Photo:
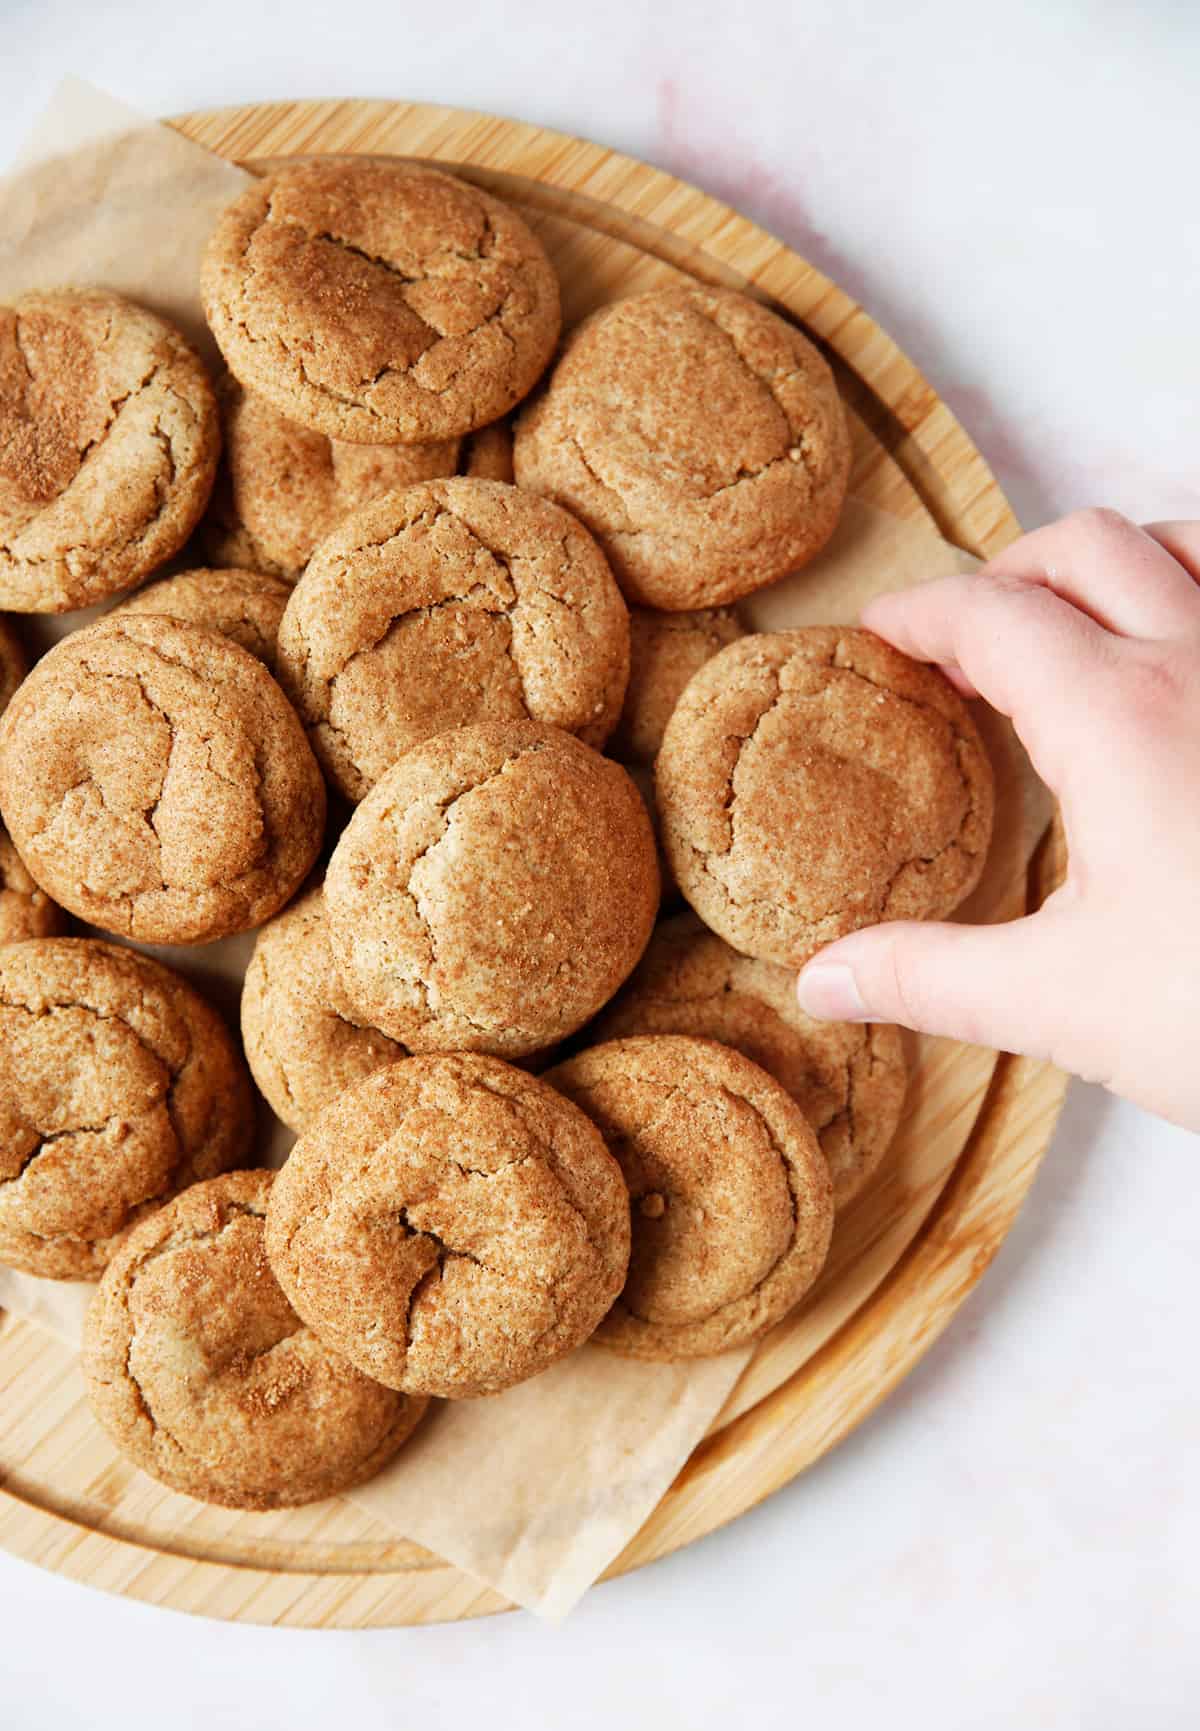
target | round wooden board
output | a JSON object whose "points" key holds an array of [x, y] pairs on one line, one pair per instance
{"points": [[976, 1127]]}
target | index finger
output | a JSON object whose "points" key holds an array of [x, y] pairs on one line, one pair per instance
{"points": [[1027, 652]]}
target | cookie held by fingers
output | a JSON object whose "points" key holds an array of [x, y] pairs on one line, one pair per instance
{"points": [[732, 1206], [204, 1376], [378, 302], [451, 1225], [847, 1078], [811, 782], [109, 440]]}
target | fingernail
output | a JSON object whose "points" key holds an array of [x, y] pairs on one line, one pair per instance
{"points": [[829, 991]]}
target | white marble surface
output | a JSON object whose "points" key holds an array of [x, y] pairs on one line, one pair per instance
{"points": [[1012, 1540]]}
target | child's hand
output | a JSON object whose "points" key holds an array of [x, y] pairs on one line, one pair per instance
{"points": [[1087, 634]]}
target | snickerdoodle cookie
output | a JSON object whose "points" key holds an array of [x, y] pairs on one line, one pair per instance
{"points": [[282, 488], [157, 782], [811, 782], [202, 1373], [379, 302], [118, 1087], [108, 446], [243, 605], [731, 1200], [699, 436], [847, 1078], [451, 1225], [304, 1042], [26, 911], [492, 891], [447, 603], [665, 649]]}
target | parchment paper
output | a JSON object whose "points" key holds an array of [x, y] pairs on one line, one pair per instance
{"points": [[534, 1491]]}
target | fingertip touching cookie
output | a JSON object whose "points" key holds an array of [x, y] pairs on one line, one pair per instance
{"points": [[699, 436], [492, 891], [812, 782], [379, 302], [731, 1202], [452, 1225], [203, 1375], [156, 781], [282, 488], [109, 439], [848, 1078], [447, 603], [119, 1085]]}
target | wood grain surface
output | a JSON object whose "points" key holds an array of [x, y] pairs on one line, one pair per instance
{"points": [[976, 1125]]}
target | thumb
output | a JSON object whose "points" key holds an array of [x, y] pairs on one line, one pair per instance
{"points": [[988, 985]]}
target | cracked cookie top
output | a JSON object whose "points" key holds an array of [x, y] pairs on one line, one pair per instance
{"points": [[119, 1086], [701, 439], [848, 1078], [281, 488], [451, 1225], [665, 649], [202, 1373], [304, 1041], [245, 606], [811, 782], [492, 891], [379, 302], [730, 1196], [447, 603], [109, 439], [156, 781]]}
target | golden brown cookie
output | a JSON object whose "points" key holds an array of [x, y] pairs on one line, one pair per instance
{"points": [[379, 302], [25, 910], [157, 782], [492, 891], [699, 437], [452, 1225], [243, 605], [202, 1373], [848, 1078], [118, 1087], [304, 1042], [108, 446], [665, 649], [282, 488], [731, 1201], [812, 782], [451, 602]]}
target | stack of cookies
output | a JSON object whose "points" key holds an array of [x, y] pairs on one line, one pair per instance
{"points": [[446, 707]]}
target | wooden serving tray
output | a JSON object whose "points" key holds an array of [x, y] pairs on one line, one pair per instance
{"points": [[976, 1124]]}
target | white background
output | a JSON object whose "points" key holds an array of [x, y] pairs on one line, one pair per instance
{"points": [[1012, 1541]]}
